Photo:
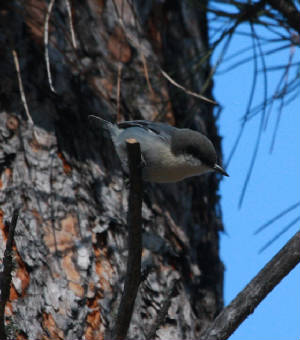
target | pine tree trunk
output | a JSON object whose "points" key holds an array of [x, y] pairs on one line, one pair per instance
{"points": [[71, 238]]}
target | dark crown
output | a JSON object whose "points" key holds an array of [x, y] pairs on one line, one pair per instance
{"points": [[186, 141]]}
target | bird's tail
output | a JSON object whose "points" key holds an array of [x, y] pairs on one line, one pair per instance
{"points": [[108, 126]]}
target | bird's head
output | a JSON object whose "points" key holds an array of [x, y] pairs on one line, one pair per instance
{"points": [[197, 149]]}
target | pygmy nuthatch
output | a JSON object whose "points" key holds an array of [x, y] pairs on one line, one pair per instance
{"points": [[169, 154]]}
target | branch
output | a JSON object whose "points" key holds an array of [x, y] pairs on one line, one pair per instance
{"points": [[247, 300], [21, 88], [6, 274], [288, 11], [46, 41], [134, 222], [69, 10]]}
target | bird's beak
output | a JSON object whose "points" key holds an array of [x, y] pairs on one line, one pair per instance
{"points": [[219, 169]]}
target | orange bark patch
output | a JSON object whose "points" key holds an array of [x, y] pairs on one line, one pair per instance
{"points": [[72, 275], [103, 268], [93, 324], [63, 239], [91, 334], [3, 227], [94, 319], [66, 166], [118, 46], [51, 327], [8, 174], [95, 329], [77, 289], [69, 224], [13, 294], [69, 268], [8, 309]]}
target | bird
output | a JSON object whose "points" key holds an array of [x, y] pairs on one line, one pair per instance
{"points": [[169, 154]]}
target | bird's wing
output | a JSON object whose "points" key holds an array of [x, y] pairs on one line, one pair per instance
{"points": [[161, 130]]}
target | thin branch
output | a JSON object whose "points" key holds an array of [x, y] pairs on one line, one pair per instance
{"points": [[247, 13], [69, 10], [293, 86], [5, 278], [276, 237], [280, 67], [262, 119], [294, 96], [247, 59], [147, 75], [120, 68], [274, 97], [249, 298], [134, 221], [197, 95], [288, 11], [277, 217], [284, 91], [251, 96], [219, 60], [21, 88], [46, 43]]}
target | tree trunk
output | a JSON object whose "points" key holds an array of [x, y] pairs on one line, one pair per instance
{"points": [[71, 237]]}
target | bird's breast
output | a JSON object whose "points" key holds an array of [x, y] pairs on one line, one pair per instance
{"points": [[168, 170]]}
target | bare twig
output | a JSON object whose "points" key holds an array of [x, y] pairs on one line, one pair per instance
{"points": [[249, 104], [69, 10], [5, 278], [219, 60], [289, 11], [257, 47], [23, 97], [277, 236], [120, 68], [197, 95], [134, 221], [277, 217], [247, 300], [147, 75], [282, 100], [46, 43], [21, 88], [250, 58]]}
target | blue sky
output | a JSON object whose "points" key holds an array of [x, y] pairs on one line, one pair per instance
{"points": [[273, 187]]}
